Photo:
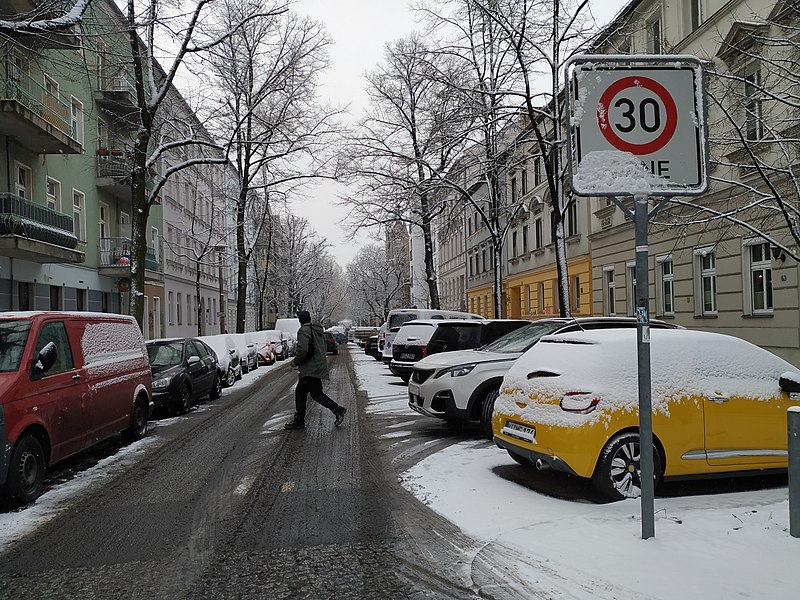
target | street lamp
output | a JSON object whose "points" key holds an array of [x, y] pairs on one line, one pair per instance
{"points": [[222, 308]]}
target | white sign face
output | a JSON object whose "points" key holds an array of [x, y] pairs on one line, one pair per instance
{"points": [[637, 129]]}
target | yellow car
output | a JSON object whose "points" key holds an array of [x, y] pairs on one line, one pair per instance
{"points": [[719, 405]]}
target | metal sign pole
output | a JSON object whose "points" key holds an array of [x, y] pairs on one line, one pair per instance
{"points": [[641, 218]]}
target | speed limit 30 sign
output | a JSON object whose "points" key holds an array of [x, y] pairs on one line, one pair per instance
{"points": [[629, 113]]}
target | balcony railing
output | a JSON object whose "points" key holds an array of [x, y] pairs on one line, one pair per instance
{"points": [[116, 252], [23, 218], [18, 85], [115, 78]]}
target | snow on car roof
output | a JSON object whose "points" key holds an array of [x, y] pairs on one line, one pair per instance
{"points": [[684, 363]]}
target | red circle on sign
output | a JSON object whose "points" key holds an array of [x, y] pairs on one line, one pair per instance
{"points": [[663, 95]]}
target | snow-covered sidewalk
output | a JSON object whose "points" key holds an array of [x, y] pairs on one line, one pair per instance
{"points": [[722, 546]]}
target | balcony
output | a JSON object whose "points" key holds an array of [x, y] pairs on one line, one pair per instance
{"points": [[114, 173], [38, 119], [115, 258], [33, 232], [116, 91]]}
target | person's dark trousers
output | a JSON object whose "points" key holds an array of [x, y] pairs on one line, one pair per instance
{"points": [[313, 386]]}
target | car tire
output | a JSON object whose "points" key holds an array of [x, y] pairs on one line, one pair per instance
{"points": [[184, 399], [230, 377], [617, 475], [520, 460], [216, 390], [25, 471], [138, 428], [487, 409]]}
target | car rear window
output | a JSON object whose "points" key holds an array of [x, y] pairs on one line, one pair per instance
{"points": [[455, 337], [396, 321], [523, 338], [415, 333]]}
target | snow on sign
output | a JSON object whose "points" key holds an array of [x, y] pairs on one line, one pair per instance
{"points": [[637, 126]]}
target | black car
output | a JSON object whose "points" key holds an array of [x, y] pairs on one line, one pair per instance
{"points": [[330, 344], [372, 349], [184, 371]]}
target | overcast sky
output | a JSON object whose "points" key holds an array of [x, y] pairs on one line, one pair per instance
{"points": [[360, 30]]}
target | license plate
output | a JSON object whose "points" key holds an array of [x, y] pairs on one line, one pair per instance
{"points": [[407, 356], [520, 431]]}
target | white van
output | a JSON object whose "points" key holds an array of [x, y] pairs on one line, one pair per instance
{"points": [[398, 316]]}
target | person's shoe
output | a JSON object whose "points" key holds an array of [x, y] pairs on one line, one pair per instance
{"points": [[339, 416], [294, 425]]}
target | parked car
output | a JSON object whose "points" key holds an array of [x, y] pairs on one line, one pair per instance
{"points": [[280, 345], [184, 371], [417, 339], [398, 316], [360, 334], [463, 385], [265, 352], [67, 381], [228, 360], [331, 346], [247, 352], [719, 406], [371, 347]]}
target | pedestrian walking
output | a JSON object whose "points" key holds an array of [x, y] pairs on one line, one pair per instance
{"points": [[313, 368]]}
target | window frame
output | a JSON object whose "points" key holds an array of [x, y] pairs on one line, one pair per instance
{"points": [[609, 291], [750, 267], [662, 280], [79, 214], [703, 274]]}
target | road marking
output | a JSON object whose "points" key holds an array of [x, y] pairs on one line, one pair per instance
{"points": [[244, 485], [288, 486]]}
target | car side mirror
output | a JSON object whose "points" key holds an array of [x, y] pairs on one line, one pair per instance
{"points": [[44, 360], [193, 360], [790, 382]]}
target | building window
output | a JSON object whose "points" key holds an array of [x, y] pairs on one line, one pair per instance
{"points": [[76, 116], [537, 172], [483, 256], [609, 289], [79, 215], [654, 45], [705, 281], [665, 285], [55, 297], [576, 293], [171, 307], [514, 244], [178, 306], [539, 241], [542, 305], [631, 268], [523, 177], [529, 299], [22, 185], [759, 286], [525, 239], [753, 122], [189, 312], [53, 194], [694, 14], [513, 191], [572, 218]]}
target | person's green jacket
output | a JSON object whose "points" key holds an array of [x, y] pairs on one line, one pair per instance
{"points": [[310, 357]]}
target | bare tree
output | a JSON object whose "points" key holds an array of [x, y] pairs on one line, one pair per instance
{"points": [[328, 297], [45, 18], [375, 279], [150, 24], [406, 142], [278, 133]]}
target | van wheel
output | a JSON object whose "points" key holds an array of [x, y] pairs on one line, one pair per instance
{"points": [[230, 377], [487, 408], [138, 428], [216, 391], [184, 399], [618, 474], [25, 471]]}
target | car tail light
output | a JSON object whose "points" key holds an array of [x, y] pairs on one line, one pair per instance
{"points": [[579, 402], [424, 350]]}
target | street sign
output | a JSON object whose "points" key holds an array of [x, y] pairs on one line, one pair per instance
{"points": [[637, 126]]}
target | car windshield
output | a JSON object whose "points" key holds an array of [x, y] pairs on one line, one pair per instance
{"points": [[13, 337], [521, 339], [165, 355]]}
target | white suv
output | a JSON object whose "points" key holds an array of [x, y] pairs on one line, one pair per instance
{"points": [[463, 385]]}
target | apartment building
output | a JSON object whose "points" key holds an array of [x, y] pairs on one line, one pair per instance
{"points": [[709, 274]]}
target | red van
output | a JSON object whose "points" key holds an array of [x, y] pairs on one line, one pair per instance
{"points": [[67, 381]]}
